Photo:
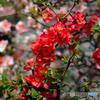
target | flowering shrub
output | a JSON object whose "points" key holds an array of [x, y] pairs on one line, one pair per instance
{"points": [[68, 33]]}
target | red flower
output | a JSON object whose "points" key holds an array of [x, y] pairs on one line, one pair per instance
{"points": [[21, 96], [95, 18], [47, 16], [42, 69], [96, 56], [76, 21], [60, 15], [36, 80], [64, 36], [79, 18], [24, 92], [29, 63], [87, 28], [46, 94]]}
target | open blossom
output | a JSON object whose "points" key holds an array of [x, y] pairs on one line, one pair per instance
{"points": [[3, 44], [5, 26], [8, 60], [47, 15], [96, 56], [31, 22], [21, 26], [35, 80], [95, 18], [87, 28], [29, 64]]}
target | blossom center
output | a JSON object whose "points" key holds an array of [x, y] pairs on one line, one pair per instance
{"points": [[37, 79], [95, 17], [46, 15]]}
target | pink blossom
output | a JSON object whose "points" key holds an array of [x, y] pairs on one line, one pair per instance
{"points": [[5, 26], [21, 26], [3, 44], [8, 60], [31, 22]]}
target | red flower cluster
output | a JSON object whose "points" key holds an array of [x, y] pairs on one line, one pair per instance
{"points": [[44, 48], [87, 28], [76, 21]]}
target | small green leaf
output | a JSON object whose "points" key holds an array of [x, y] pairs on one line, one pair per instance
{"points": [[45, 81], [95, 27], [65, 61], [93, 33], [84, 80], [20, 89], [61, 16], [77, 56], [43, 72], [53, 79], [48, 72], [29, 92], [53, 71], [34, 93], [10, 88], [77, 48], [4, 79], [44, 3], [71, 43]]}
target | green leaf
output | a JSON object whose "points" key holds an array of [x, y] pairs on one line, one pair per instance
{"points": [[10, 88], [44, 3], [48, 4], [71, 43], [48, 72], [20, 89], [4, 79], [93, 33], [43, 72], [98, 22], [77, 48], [62, 15], [53, 71], [29, 92], [34, 93], [19, 80], [45, 81], [95, 27], [5, 85], [65, 61], [84, 87], [84, 80], [53, 79], [77, 43], [77, 56]]}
